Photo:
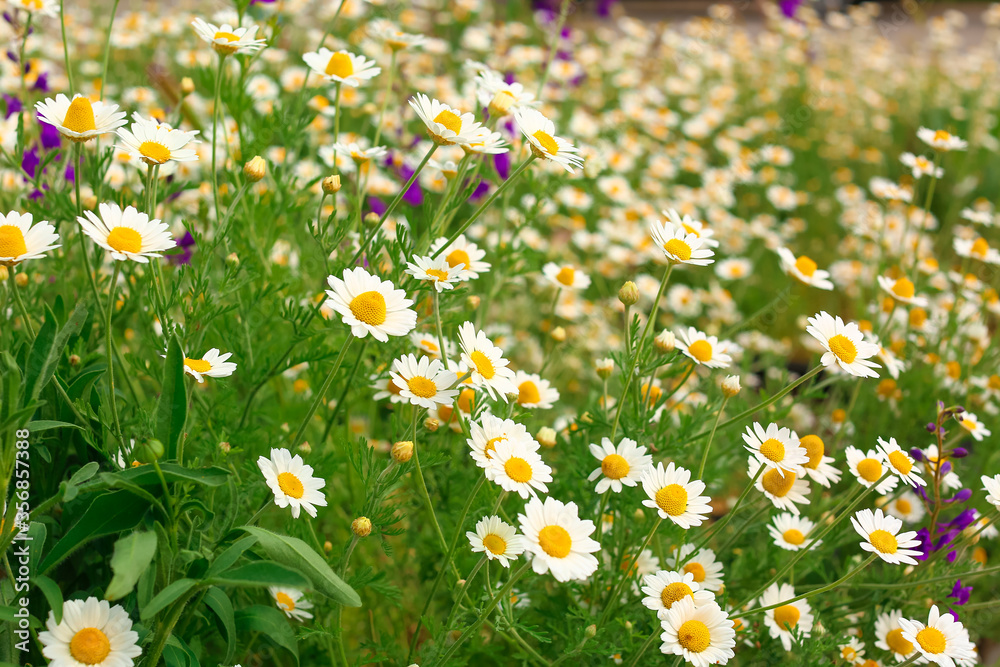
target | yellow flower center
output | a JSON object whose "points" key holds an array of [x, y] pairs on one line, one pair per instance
{"points": [[491, 445], [884, 541], [848, 654], [483, 364], [555, 541], [968, 424], [794, 536], [154, 152], [429, 345], [979, 248], [518, 469], [897, 643], [775, 484], [903, 288], [903, 506], [842, 346], [339, 65], [546, 142], [437, 274], [917, 317], [679, 249], [870, 470], [932, 640], [694, 636], [458, 258], [527, 393], [290, 485], [787, 616], [90, 646], [815, 449], [696, 570], [566, 275], [80, 116], [701, 350], [369, 307], [125, 239], [12, 241], [773, 450], [672, 593], [228, 36], [285, 600], [901, 462], [449, 120], [422, 387], [941, 135], [197, 365], [495, 544], [614, 466], [805, 266], [672, 499]]}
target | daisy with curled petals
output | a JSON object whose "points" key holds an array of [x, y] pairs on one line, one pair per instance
{"points": [[784, 489], [437, 271], [491, 430], [674, 496], [621, 465], [941, 140], [791, 532], [702, 349], [804, 270], [943, 640], [370, 305], [534, 392], [679, 246], [703, 566], [900, 462], [902, 290], [702, 634], [517, 467], [541, 135], [787, 620], [889, 635], [292, 601], [424, 382], [991, 485], [227, 40], [92, 633], [664, 588], [559, 539], [128, 234], [156, 143], [212, 364], [776, 448], [845, 345], [869, 467], [341, 66], [20, 240], [970, 422], [485, 363], [80, 119], [566, 276], [882, 537], [463, 255], [292, 482], [446, 126], [819, 467], [497, 540]]}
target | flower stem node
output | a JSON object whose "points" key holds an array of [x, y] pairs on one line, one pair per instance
{"points": [[629, 294], [255, 169], [402, 451], [331, 184], [362, 526]]}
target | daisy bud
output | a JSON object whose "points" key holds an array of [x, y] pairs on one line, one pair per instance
{"points": [[255, 169], [232, 259], [21, 279], [331, 184], [362, 526], [152, 450], [665, 341], [431, 424], [605, 367], [558, 334], [500, 104], [546, 437], [225, 447], [590, 631], [328, 546], [372, 219], [3, 273], [629, 294], [731, 385], [187, 85], [472, 302], [74, 360], [628, 625], [305, 448], [402, 451]]}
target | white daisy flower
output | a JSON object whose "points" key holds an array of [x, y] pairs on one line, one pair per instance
{"points": [[485, 362], [941, 140], [498, 540], [868, 467], [341, 66], [991, 485], [882, 537], [776, 448], [678, 245], [491, 430], [943, 640], [370, 305], [978, 249], [541, 135], [702, 349], [91, 633], [900, 462], [424, 381], [621, 465], [852, 651], [227, 40], [784, 489], [500, 97], [212, 364], [487, 143], [674, 496], [291, 601], [156, 143], [559, 539], [127, 234], [789, 620], [566, 276], [387, 32], [804, 270], [889, 635], [664, 588], [80, 119], [819, 468], [517, 467], [437, 271], [920, 166], [463, 255], [845, 345], [703, 566], [902, 290], [358, 154], [702, 634], [429, 344], [791, 532], [691, 226], [37, 7], [446, 125], [534, 392], [292, 482], [970, 422], [20, 240], [906, 506]]}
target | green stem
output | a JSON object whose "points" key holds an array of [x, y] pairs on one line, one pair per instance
{"points": [[423, 489], [336, 111], [461, 593], [385, 98], [215, 124], [300, 433], [166, 627], [714, 530], [613, 600], [553, 43], [12, 281], [69, 70], [933, 580], [645, 647], [110, 344], [711, 437]]}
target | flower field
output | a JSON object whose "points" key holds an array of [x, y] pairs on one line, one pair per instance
{"points": [[498, 333]]}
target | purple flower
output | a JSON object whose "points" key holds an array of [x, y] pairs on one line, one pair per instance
{"points": [[42, 83], [13, 105], [502, 163], [377, 205], [30, 162], [960, 593], [959, 453], [925, 547], [916, 452], [49, 136], [481, 189], [961, 497]]}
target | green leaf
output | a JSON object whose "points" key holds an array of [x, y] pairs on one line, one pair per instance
{"points": [[171, 410], [165, 597], [271, 623], [82, 383], [48, 424], [53, 595], [108, 513], [218, 602], [7, 615], [132, 555], [260, 574], [146, 475], [229, 557], [48, 348], [84, 473], [299, 556]]}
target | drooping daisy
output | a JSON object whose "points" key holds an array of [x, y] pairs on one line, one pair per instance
{"points": [[517, 467], [784, 489], [868, 467], [900, 462], [341, 66], [680, 246], [534, 391], [559, 539], [804, 269], [438, 272], [446, 125], [702, 634], [424, 382], [941, 140], [845, 345], [791, 532], [621, 465], [127, 234], [20, 240], [664, 588], [906, 506], [498, 540], [794, 617], [776, 448], [292, 482], [541, 135], [212, 364], [80, 119], [889, 635], [674, 496], [486, 363], [370, 305], [291, 601], [882, 537], [702, 349], [566, 276], [970, 422], [819, 468], [902, 290], [991, 485], [707, 571], [943, 640], [227, 40], [491, 430], [463, 255], [92, 633]]}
